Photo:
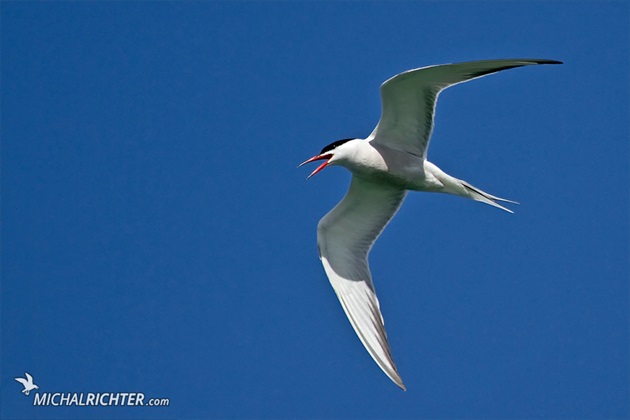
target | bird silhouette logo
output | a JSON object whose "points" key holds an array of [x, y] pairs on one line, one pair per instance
{"points": [[27, 383]]}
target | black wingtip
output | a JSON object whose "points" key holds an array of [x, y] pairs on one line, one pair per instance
{"points": [[514, 63], [549, 62]]}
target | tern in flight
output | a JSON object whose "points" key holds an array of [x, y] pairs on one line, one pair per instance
{"points": [[392, 160]]}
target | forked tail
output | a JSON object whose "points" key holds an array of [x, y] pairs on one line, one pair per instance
{"points": [[478, 195]]}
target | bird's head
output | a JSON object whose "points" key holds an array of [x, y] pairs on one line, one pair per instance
{"points": [[335, 152]]}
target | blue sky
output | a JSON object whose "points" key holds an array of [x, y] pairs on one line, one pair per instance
{"points": [[158, 238]]}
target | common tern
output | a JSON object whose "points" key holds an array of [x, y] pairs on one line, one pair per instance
{"points": [[384, 166]]}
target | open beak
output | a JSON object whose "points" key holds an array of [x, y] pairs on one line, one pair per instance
{"points": [[313, 159]]}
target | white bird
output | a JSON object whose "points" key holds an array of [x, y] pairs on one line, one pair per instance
{"points": [[27, 383], [390, 161]]}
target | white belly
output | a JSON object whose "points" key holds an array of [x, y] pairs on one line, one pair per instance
{"points": [[383, 164]]}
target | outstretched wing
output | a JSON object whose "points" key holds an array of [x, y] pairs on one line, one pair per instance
{"points": [[344, 237], [22, 381], [29, 377], [408, 100]]}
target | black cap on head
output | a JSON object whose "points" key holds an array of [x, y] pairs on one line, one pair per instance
{"points": [[333, 145]]}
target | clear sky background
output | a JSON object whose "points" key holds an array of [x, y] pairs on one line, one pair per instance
{"points": [[158, 238]]}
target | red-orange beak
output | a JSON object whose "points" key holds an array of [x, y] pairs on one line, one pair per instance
{"points": [[313, 159]]}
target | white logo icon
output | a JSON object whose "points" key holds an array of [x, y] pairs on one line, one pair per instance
{"points": [[28, 383]]}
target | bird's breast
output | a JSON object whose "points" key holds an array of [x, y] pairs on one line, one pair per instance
{"points": [[391, 166]]}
